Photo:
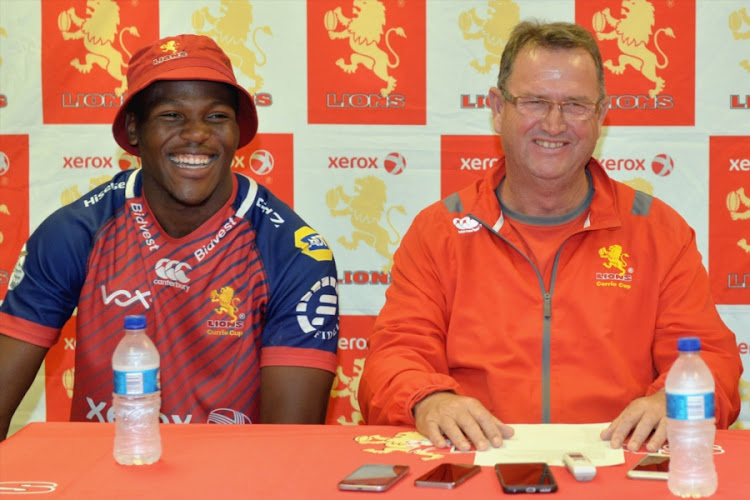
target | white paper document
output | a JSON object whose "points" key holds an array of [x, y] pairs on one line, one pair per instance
{"points": [[548, 443]]}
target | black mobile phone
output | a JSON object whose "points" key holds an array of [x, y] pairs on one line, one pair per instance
{"points": [[651, 466], [530, 477], [373, 477], [447, 475]]}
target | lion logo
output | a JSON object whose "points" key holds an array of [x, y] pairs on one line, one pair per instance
{"points": [[738, 205], [404, 442], [737, 19], [494, 31], [98, 32], [615, 258], [345, 386], [632, 33], [170, 46], [745, 398], [4, 210], [3, 34], [364, 33], [365, 209], [227, 301], [231, 30]]}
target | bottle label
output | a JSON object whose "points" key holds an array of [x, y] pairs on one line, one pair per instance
{"points": [[690, 406], [136, 383]]}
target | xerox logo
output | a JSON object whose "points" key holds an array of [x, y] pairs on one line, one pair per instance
{"points": [[124, 298], [4, 163], [478, 163], [393, 163], [662, 164], [88, 162], [739, 164], [172, 273], [261, 162], [227, 416], [738, 280], [316, 310], [466, 224]]}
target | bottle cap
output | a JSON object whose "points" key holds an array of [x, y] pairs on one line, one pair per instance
{"points": [[135, 322], [689, 344]]}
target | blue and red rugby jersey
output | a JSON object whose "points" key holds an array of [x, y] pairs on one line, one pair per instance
{"points": [[253, 286]]}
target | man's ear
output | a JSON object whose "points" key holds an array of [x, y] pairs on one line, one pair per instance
{"points": [[496, 103], [131, 126]]}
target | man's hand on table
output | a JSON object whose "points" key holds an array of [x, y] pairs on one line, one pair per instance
{"points": [[463, 420], [643, 416]]}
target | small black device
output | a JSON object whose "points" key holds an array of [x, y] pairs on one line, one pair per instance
{"points": [[651, 466], [447, 475], [530, 477], [373, 477]]}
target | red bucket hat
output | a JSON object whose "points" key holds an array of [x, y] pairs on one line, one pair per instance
{"points": [[183, 57]]}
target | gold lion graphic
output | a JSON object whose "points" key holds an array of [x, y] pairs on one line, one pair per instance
{"points": [[231, 30], [632, 33], [737, 19], [365, 209], [364, 32], [227, 302], [738, 205], [494, 31], [3, 34], [4, 210], [745, 398], [615, 258], [349, 389], [98, 32], [404, 442]]}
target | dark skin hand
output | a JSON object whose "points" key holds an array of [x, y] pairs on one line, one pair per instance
{"points": [[19, 364]]}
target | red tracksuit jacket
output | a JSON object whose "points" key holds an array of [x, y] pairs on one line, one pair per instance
{"points": [[467, 312]]}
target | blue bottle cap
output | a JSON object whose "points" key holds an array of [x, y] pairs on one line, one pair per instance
{"points": [[689, 344], [135, 322]]}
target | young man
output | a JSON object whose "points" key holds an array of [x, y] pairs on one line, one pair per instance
{"points": [[563, 299], [240, 295]]}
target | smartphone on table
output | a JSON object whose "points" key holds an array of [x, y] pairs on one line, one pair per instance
{"points": [[651, 466], [529, 477], [373, 477], [447, 475]]}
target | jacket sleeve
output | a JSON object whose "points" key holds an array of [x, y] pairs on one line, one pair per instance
{"points": [[406, 359], [686, 308]]}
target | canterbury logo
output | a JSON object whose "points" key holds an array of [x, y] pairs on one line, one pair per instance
{"points": [[123, 298], [172, 270], [466, 224]]}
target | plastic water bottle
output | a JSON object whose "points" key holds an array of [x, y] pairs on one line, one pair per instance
{"points": [[691, 426], [136, 398]]}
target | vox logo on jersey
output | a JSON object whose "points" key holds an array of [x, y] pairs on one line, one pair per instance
{"points": [[269, 159], [14, 204], [86, 47], [366, 62], [466, 158], [729, 219], [648, 49]]}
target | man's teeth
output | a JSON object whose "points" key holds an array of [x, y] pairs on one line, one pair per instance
{"points": [[548, 144], [191, 161]]}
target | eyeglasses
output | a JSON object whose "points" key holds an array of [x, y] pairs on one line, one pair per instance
{"points": [[535, 107]]}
